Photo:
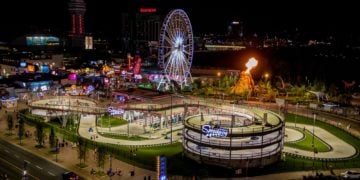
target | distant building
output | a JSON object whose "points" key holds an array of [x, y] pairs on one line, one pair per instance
{"points": [[235, 29], [37, 42], [140, 29], [77, 10]]}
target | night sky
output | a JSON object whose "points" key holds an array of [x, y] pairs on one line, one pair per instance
{"points": [[19, 17]]}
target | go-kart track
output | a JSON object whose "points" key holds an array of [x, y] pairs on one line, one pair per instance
{"points": [[216, 133]]}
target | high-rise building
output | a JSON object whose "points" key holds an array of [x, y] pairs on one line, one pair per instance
{"points": [[140, 27], [77, 10]]}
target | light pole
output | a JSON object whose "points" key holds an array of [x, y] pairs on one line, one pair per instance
{"points": [[313, 144], [313, 129], [266, 76], [296, 108], [110, 171], [171, 98], [109, 119]]}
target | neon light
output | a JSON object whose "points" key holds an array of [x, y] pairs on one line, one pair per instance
{"points": [[147, 10], [214, 132], [73, 24], [80, 25], [113, 111], [161, 168]]}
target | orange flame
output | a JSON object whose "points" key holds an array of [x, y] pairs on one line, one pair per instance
{"points": [[250, 64]]}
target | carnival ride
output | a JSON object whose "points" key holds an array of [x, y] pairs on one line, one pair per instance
{"points": [[176, 49]]}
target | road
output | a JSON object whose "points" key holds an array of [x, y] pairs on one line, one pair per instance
{"points": [[12, 162]]}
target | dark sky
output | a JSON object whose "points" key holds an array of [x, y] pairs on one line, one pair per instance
{"points": [[18, 17]]}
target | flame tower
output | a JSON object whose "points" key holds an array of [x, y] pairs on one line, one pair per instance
{"points": [[77, 10], [245, 84]]}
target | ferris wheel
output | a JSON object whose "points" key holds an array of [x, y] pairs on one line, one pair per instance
{"points": [[176, 49]]}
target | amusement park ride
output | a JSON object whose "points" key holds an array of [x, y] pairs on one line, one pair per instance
{"points": [[176, 49]]}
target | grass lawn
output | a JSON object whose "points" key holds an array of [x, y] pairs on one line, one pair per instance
{"points": [[306, 143], [146, 157], [114, 121], [124, 137]]}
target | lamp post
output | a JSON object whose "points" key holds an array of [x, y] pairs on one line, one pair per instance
{"points": [[313, 144], [266, 76], [171, 98], [110, 171], [57, 149], [296, 110], [313, 129], [109, 120]]}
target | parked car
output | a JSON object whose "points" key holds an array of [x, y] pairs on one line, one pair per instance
{"points": [[350, 175]]}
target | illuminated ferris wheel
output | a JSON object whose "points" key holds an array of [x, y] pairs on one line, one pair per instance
{"points": [[176, 49]]}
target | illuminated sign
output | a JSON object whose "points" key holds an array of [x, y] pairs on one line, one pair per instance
{"points": [[214, 132], [113, 111], [161, 168], [89, 89], [30, 68], [147, 10], [88, 42], [72, 76], [45, 68], [106, 80], [23, 64]]}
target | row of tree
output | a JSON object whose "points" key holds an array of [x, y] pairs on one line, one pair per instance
{"points": [[40, 134]]}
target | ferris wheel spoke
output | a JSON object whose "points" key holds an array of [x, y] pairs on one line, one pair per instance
{"points": [[169, 34], [172, 30], [167, 54], [186, 52], [167, 39], [166, 47]]}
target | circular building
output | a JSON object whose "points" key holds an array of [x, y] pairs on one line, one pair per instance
{"points": [[242, 139]]}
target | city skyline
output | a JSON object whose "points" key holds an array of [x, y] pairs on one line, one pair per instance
{"points": [[258, 17]]}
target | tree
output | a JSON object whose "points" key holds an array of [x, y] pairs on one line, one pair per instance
{"points": [[10, 123], [21, 129], [40, 134], [101, 154], [82, 150], [52, 137]]}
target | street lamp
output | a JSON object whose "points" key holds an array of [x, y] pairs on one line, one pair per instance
{"points": [[219, 75], [296, 110], [313, 144], [109, 122], [313, 129], [266, 76], [171, 101]]}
